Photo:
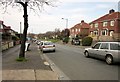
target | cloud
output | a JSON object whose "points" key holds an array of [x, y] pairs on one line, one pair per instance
{"points": [[50, 18], [77, 1]]}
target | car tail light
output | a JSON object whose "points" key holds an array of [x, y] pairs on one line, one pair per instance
{"points": [[53, 45], [43, 46]]}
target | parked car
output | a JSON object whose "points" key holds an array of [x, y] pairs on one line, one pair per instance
{"points": [[47, 46], [40, 45], [75, 41], [38, 42], [108, 51]]}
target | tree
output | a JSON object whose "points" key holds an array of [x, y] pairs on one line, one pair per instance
{"points": [[65, 35], [57, 33], [32, 4]]}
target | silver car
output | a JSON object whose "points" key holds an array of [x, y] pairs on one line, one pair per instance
{"points": [[47, 46], [108, 51]]}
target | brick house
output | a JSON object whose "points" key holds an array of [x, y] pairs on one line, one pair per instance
{"points": [[1, 27], [6, 31], [106, 27], [81, 29]]}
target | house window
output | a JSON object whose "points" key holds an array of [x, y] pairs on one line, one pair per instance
{"points": [[72, 30], [1, 26], [91, 25], [96, 25], [91, 33], [111, 33], [105, 24], [96, 33], [104, 32], [76, 30], [112, 23]]}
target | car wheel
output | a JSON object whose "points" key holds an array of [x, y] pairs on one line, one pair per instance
{"points": [[53, 50], [42, 51], [86, 54], [109, 59]]}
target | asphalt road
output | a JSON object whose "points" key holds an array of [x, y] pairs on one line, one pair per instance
{"points": [[71, 61]]}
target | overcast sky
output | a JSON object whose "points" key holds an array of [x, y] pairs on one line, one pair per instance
{"points": [[51, 17]]}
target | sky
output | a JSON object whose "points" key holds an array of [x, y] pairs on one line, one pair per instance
{"points": [[51, 17]]}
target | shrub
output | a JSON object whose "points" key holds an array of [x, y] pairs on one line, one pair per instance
{"points": [[66, 39], [87, 41], [15, 38]]}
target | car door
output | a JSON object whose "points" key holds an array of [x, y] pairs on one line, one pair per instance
{"points": [[94, 51], [104, 48], [115, 50]]}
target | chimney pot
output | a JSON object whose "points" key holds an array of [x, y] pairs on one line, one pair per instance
{"points": [[111, 11], [82, 21]]}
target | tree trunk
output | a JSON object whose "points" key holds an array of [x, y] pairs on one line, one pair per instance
{"points": [[22, 49]]}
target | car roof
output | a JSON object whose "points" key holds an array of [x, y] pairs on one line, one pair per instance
{"points": [[109, 42], [46, 41]]}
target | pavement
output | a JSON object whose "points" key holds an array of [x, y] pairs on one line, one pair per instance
{"points": [[35, 68]]}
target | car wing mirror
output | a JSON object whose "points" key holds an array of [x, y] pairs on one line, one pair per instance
{"points": [[93, 47]]}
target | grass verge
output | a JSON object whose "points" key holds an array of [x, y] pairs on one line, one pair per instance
{"points": [[53, 40], [22, 59]]}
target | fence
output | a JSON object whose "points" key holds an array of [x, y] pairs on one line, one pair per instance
{"points": [[8, 44]]}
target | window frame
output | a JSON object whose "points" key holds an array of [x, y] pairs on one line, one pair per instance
{"points": [[91, 25], [105, 24], [112, 23], [96, 25]]}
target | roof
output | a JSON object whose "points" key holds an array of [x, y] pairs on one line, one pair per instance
{"points": [[1, 22], [81, 25], [110, 42], [114, 15]]}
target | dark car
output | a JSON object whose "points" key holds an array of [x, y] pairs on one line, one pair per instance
{"points": [[75, 41]]}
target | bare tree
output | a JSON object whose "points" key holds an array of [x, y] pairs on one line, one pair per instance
{"points": [[33, 5], [57, 33]]}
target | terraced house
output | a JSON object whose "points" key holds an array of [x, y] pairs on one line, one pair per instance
{"points": [[106, 27], [6, 31], [1, 27]]}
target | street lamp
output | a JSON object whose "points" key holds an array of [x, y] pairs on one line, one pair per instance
{"points": [[66, 22]]}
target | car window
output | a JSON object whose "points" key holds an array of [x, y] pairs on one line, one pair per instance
{"points": [[97, 46], [114, 46], [48, 43], [104, 46], [41, 43]]}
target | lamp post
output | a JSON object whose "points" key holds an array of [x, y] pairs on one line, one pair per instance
{"points": [[66, 22], [66, 32]]}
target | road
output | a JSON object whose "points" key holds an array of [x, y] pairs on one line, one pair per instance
{"points": [[71, 61]]}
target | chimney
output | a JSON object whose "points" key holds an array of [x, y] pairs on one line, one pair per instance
{"points": [[111, 11], [82, 21]]}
